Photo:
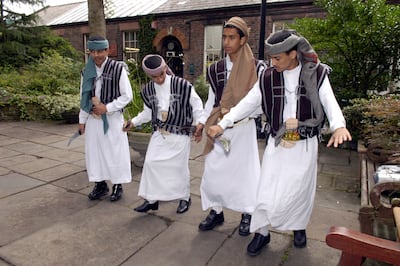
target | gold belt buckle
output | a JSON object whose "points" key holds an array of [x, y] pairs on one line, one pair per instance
{"points": [[291, 136]]}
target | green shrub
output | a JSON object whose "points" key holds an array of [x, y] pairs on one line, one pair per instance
{"points": [[44, 89], [375, 120], [201, 88]]}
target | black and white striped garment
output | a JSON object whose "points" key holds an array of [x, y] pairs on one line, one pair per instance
{"points": [[110, 81], [180, 114]]}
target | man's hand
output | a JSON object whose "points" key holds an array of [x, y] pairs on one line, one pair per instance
{"points": [[198, 134], [215, 131], [127, 125], [338, 137], [292, 123], [99, 109], [81, 128]]}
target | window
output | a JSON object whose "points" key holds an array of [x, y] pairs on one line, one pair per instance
{"points": [[85, 49], [131, 45], [280, 25], [212, 45]]}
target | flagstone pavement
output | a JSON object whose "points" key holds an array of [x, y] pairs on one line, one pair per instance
{"points": [[47, 219]]}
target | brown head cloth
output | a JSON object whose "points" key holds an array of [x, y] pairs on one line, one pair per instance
{"points": [[242, 78], [243, 74]]}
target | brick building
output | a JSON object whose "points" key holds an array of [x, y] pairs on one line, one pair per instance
{"points": [[188, 31]]}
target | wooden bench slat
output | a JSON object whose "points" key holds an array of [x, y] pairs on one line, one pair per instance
{"points": [[355, 245]]}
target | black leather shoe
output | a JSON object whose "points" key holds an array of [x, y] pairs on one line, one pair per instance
{"points": [[146, 206], [100, 189], [300, 238], [116, 192], [244, 227], [213, 219], [259, 241], [184, 205]]}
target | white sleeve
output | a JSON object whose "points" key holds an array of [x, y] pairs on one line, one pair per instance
{"points": [[125, 90], [209, 103], [244, 108], [142, 117], [331, 106], [197, 107]]}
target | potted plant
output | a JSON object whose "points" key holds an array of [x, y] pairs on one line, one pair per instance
{"points": [[139, 136]]}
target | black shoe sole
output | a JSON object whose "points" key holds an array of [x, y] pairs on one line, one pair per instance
{"points": [[115, 198], [302, 245], [253, 254], [98, 197], [241, 233], [211, 227]]}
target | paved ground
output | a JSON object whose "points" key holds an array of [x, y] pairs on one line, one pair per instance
{"points": [[47, 219]]}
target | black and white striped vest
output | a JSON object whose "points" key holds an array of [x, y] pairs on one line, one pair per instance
{"points": [[273, 96], [217, 77], [110, 81], [180, 114]]}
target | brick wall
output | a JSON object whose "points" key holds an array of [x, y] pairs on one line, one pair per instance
{"points": [[188, 27]]}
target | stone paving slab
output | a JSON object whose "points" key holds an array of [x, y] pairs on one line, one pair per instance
{"points": [[33, 166], [29, 211], [105, 234], [180, 244], [17, 160], [5, 140], [316, 253], [47, 219], [66, 156], [233, 252], [4, 153], [58, 171], [12, 183]]}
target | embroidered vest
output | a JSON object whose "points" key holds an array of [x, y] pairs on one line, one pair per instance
{"points": [[110, 83], [180, 114], [217, 77], [273, 96]]}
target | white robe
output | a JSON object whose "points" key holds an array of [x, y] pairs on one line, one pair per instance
{"points": [[230, 180], [165, 174], [287, 186], [107, 155]]}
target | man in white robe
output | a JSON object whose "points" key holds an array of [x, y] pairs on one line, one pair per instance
{"points": [[230, 178], [105, 91], [173, 107], [295, 112]]}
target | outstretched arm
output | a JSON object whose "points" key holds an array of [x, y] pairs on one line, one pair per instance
{"points": [[339, 136]]}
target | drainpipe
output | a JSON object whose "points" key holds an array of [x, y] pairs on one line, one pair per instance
{"points": [[262, 29]]}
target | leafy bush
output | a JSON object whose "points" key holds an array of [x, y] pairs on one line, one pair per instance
{"points": [[50, 83], [376, 120], [201, 87], [138, 78]]}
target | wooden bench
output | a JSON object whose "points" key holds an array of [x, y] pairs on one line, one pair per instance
{"points": [[357, 246], [375, 208]]}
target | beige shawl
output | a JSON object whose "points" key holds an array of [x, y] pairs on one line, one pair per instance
{"points": [[242, 78]]}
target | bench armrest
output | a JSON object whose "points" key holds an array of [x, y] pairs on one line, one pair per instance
{"points": [[356, 245]]}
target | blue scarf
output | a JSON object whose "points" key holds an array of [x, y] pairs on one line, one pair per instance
{"points": [[88, 78]]}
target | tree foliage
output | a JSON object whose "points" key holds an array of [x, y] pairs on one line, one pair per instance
{"points": [[359, 39], [21, 42]]}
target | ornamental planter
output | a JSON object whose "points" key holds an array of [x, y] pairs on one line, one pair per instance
{"points": [[139, 141]]}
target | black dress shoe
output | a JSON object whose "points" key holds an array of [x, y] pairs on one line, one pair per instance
{"points": [[300, 238], [259, 241], [213, 219], [184, 205], [100, 189], [244, 227], [116, 192], [146, 206]]}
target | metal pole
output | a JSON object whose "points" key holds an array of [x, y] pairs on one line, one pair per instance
{"points": [[262, 29]]}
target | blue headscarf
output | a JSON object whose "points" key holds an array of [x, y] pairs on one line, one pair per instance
{"points": [[89, 75]]}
